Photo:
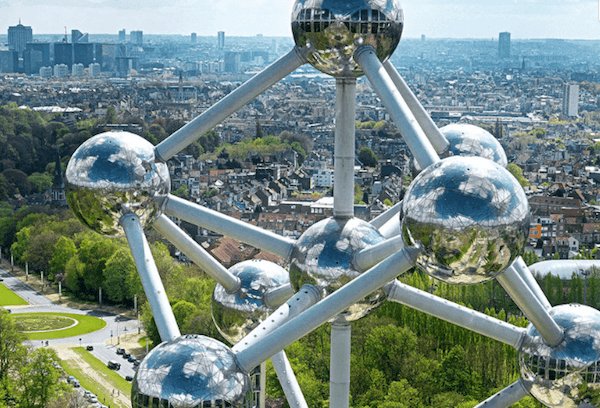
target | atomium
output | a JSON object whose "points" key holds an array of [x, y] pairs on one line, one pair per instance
{"points": [[237, 314], [471, 140], [191, 371], [470, 216], [113, 174], [330, 31], [324, 254], [567, 375]]}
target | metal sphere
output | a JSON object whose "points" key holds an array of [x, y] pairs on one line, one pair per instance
{"points": [[323, 257], [471, 140], [113, 174], [330, 31], [237, 314], [191, 371], [563, 376], [470, 216]]}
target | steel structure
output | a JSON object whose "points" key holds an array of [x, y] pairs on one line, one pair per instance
{"points": [[464, 220]]}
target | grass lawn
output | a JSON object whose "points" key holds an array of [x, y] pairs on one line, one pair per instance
{"points": [[109, 375], [28, 322], [87, 382], [10, 298]]}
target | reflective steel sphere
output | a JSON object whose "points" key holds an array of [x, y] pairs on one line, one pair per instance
{"points": [[470, 140], [191, 371], [470, 216], [330, 31], [323, 257], [237, 314], [564, 376], [112, 174]]}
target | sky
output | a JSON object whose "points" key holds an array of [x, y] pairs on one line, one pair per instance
{"points": [[569, 19]]}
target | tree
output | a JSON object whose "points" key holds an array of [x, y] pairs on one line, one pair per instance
{"points": [[39, 379], [517, 172], [402, 392], [64, 250], [184, 311], [12, 352], [117, 275], [367, 157]]}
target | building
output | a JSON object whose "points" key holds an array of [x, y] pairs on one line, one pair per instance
{"points": [[79, 37], [221, 39], [95, 69], [137, 37], [83, 53], [63, 54], [194, 38], [61, 71], [504, 45], [18, 37], [36, 56], [233, 61], [78, 70], [571, 101], [46, 72], [9, 61], [122, 36]]}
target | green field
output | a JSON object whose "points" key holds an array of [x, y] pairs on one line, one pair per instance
{"points": [[28, 322], [10, 298], [89, 383], [109, 375]]}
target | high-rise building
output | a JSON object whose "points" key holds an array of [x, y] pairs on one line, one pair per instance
{"points": [[79, 37], [221, 39], [504, 45], [194, 38], [9, 61], [63, 54], [94, 70], [122, 36], [36, 56], [137, 37], [233, 62], [83, 53], [18, 37], [571, 101]]}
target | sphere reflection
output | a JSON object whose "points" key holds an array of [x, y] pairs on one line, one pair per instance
{"points": [[323, 257], [566, 376], [470, 140], [471, 217], [330, 31], [191, 371], [237, 314], [113, 174]]}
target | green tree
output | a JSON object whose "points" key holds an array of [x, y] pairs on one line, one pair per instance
{"points": [[517, 172], [39, 379], [64, 250], [118, 275], [40, 182], [402, 392], [367, 157], [12, 353]]}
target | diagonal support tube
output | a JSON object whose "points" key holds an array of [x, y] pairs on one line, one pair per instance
{"points": [[288, 381], [327, 308], [345, 129], [222, 224], [153, 286], [197, 254], [230, 104], [437, 139], [391, 228], [386, 216], [455, 314], [529, 279], [371, 256], [413, 135], [531, 306], [506, 397]]}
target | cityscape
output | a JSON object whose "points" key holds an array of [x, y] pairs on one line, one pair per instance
{"points": [[272, 165]]}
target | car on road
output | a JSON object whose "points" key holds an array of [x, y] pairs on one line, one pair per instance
{"points": [[120, 351], [70, 379], [131, 359], [126, 355], [75, 383], [89, 348], [113, 365], [128, 378]]}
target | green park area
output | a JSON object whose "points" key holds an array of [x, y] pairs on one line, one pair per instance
{"points": [[47, 326], [109, 375], [10, 298]]}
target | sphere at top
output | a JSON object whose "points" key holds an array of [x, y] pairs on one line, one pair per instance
{"points": [[470, 216], [237, 314], [113, 174], [471, 140], [564, 376], [330, 31], [323, 257], [191, 371]]}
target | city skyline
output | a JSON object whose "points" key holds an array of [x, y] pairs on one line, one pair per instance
{"points": [[569, 19]]}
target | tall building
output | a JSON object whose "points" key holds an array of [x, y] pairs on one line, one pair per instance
{"points": [[504, 45], [137, 37], [233, 62], [122, 36], [194, 38], [83, 53], [9, 61], [221, 39], [63, 54], [36, 56], [571, 101], [18, 37]]}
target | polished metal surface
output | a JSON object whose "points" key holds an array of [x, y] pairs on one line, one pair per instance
{"points": [[471, 140], [191, 371], [323, 257], [330, 31], [237, 314], [113, 174], [564, 376], [469, 215]]}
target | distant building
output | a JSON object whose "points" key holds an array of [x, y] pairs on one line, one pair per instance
{"points": [[571, 101], [95, 69], [61, 71], [18, 37], [137, 37], [221, 39], [9, 61], [233, 62], [194, 38], [46, 72], [122, 36], [63, 54], [504, 45], [79, 37], [36, 56], [83, 53], [58, 184], [78, 70]]}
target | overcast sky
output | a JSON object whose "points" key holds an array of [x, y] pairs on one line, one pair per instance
{"points": [[434, 18]]}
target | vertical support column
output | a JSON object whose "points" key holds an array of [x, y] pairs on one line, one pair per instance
{"points": [[262, 398], [345, 145], [339, 370]]}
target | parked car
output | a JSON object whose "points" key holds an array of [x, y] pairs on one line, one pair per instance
{"points": [[131, 359], [75, 384], [113, 365], [126, 355], [70, 379], [128, 378], [89, 348], [120, 351]]}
